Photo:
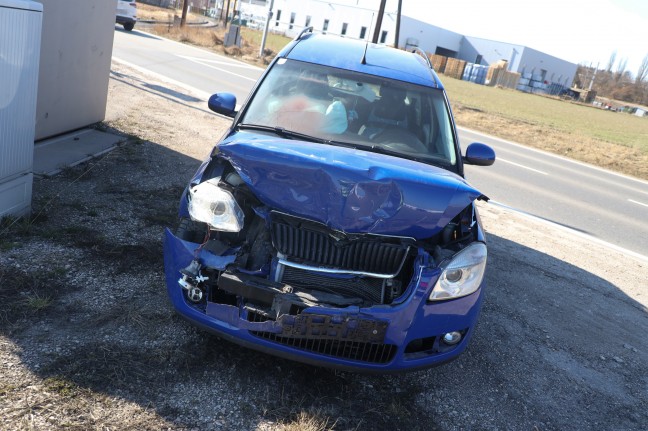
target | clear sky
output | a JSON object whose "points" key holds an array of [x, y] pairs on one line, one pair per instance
{"points": [[580, 31]]}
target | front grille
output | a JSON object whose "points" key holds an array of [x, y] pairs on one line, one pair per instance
{"points": [[317, 246], [368, 288], [375, 353]]}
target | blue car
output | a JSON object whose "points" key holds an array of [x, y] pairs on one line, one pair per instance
{"points": [[332, 224]]}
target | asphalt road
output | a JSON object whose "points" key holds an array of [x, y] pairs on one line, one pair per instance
{"points": [[598, 203]]}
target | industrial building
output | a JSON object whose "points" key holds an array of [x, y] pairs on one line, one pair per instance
{"points": [[357, 19], [538, 66]]}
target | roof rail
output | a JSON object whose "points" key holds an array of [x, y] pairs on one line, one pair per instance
{"points": [[305, 30], [422, 53]]}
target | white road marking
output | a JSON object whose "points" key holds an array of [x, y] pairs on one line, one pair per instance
{"points": [[204, 63], [499, 159], [637, 202], [221, 62]]}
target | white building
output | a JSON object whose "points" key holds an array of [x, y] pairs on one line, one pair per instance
{"points": [[349, 18]]}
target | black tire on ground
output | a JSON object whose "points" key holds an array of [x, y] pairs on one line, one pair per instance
{"points": [[129, 26], [190, 230]]}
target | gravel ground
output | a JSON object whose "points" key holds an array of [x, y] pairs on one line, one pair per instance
{"points": [[88, 339]]}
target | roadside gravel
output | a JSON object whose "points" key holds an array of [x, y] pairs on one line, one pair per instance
{"points": [[88, 339]]}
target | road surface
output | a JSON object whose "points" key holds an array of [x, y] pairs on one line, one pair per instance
{"points": [[598, 203]]}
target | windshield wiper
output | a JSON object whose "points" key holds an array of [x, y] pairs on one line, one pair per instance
{"points": [[284, 133], [382, 150]]}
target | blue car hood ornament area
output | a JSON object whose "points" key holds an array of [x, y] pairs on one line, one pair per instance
{"points": [[349, 189]]}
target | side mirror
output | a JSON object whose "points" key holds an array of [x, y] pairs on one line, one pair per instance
{"points": [[223, 103], [479, 155]]}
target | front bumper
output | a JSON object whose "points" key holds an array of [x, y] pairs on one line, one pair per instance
{"points": [[382, 338], [125, 20]]}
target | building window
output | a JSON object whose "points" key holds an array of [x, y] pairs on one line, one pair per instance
{"points": [[383, 36], [292, 20], [363, 32], [325, 26], [344, 28], [278, 17], [478, 59], [308, 20]]}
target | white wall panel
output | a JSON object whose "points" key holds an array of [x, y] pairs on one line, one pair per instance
{"points": [[75, 64], [19, 56], [20, 34]]}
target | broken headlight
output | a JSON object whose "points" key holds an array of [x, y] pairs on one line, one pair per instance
{"points": [[217, 207], [463, 275]]}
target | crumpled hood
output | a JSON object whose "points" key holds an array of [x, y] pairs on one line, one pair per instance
{"points": [[347, 189]]}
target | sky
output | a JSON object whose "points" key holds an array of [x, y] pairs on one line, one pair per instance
{"points": [[579, 31]]}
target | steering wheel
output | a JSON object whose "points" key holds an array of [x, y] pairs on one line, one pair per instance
{"points": [[400, 140]]}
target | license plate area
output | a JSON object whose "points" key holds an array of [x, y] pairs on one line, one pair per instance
{"points": [[327, 327]]}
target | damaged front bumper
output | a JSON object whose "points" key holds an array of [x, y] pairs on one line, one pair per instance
{"points": [[405, 335]]}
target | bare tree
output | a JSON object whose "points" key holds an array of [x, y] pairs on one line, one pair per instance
{"points": [[611, 61], [621, 69], [642, 72]]}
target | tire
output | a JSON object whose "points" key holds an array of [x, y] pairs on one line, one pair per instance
{"points": [[189, 230], [129, 26]]}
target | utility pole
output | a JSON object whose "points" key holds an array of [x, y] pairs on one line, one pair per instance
{"points": [[381, 12], [593, 76], [398, 20], [265, 30], [226, 14], [185, 6]]}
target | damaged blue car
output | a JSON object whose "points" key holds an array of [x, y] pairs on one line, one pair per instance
{"points": [[331, 224]]}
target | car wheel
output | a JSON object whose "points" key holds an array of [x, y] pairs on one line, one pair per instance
{"points": [[189, 230], [129, 26]]}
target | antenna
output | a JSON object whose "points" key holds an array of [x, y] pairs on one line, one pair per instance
{"points": [[304, 31], [422, 53], [364, 54]]}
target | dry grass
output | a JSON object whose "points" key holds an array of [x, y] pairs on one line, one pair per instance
{"points": [[614, 141], [155, 13], [212, 39], [305, 421]]}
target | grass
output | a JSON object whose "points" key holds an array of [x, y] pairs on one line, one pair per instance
{"points": [[155, 13], [585, 120], [274, 42]]}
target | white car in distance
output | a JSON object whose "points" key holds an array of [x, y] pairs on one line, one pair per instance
{"points": [[126, 14]]}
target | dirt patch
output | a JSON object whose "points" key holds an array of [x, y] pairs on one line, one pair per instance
{"points": [[560, 343]]}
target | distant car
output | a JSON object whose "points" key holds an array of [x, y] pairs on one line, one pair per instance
{"points": [[332, 224], [126, 14]]}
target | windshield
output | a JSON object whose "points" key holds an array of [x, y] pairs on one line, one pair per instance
{"points": [[368, 111]]}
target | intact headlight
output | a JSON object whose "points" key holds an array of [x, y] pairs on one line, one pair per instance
{"points": [[217, 207], [463, 275]]}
